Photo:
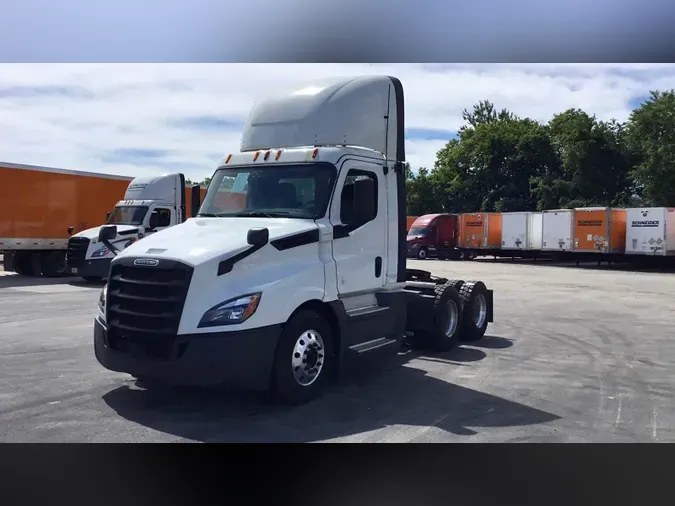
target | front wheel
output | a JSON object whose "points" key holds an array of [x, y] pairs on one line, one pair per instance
{"points": [[422, 254], [304, 358]]}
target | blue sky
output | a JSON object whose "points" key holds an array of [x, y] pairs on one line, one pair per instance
{"points": [[136, 119]]}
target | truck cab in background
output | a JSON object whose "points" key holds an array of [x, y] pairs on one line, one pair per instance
{"points": [[150, 204], [433, 235]]}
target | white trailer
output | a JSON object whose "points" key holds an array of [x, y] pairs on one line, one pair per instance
{"points": [[557, 230], [307, 273], [535, 230], [514, 231], [650, 231]]}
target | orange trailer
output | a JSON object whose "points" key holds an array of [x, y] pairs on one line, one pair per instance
{"points": [[410, 221], [599, 230], [38, 204], [480, 231]]}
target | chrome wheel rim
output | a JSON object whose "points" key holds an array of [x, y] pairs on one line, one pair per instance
{"points": [[307, 360], [422, 254], [480, 311], [452, 318]]}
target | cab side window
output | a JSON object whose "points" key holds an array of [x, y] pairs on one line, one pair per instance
{"points": [[163, 217], [347, 197]]}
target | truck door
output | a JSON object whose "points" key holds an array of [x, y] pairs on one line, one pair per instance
{"points": [[359, 249]]}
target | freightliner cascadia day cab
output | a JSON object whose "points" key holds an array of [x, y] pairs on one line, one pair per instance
{"points": [[281, 284], [150, 204]]}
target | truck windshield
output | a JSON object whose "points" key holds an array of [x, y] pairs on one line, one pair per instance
{"points": [[284, 191], [127, 215], [419, 231]]}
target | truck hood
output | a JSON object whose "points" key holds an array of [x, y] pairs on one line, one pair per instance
{"points": [[199, 240], [92, 233]]}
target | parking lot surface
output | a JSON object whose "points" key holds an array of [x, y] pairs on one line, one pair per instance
{"points": [[575, 355]]}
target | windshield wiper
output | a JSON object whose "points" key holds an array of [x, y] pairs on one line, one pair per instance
{"points": [[260, 214]]}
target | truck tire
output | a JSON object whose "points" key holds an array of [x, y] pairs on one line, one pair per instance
{"points": [[474, 310], [53, 264], [456, 284], [23, 264], [422, 254], [470, 255], [447, 319], [461, 254], [303, 360]]}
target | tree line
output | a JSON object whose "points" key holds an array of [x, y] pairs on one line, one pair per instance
{"points": [[502, 162]]}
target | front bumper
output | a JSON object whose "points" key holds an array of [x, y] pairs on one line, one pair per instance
{"points": [[241, 358], [98, 268], [413, 249]]}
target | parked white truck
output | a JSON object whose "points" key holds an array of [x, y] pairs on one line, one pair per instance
{"points": [[150, 204], [282, 288]]}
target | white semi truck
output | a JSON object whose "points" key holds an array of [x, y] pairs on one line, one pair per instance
{"points": [[282, 288], [150, 204]]}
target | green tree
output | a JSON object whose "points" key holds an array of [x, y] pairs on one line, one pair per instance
{"points": [[494, 164], [594, 166], [651, 139]]}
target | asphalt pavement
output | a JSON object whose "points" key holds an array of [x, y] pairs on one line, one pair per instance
{"points": [[575, 355]]}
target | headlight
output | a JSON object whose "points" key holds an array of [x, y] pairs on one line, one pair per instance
{"points": [[231, 311], [102, 299]]}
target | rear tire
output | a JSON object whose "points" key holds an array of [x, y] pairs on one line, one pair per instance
{"points": [[23, 264], [304, 359], [461, 255], [470, 255], [447, 319], [474, 313], [54, 264]]}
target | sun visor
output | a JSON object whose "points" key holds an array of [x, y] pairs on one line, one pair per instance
{"points": [[359, 111]]}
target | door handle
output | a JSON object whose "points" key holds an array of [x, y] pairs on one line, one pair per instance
{"points": [[378, 267]]}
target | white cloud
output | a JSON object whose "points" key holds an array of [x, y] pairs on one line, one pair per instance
{"points": [[107, 107]]}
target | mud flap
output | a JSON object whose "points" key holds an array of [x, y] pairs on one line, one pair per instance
{"points": [[490, 306]]}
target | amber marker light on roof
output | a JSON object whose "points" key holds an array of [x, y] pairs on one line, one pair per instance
{"points": [[267, 155], [227, 160], [276, 157], [315, 152], [256, 155]]}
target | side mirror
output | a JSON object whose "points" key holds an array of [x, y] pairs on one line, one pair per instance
{"points": [[71, 230], [258, 237], [107, 233], [364, 201], [195, 197]]}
